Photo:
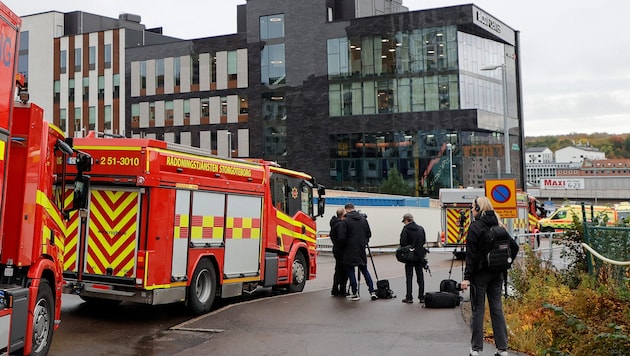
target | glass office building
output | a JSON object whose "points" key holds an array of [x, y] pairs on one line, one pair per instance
{"points": [[342, 94]]}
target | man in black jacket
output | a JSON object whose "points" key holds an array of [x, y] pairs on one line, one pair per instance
{"points": [[354, 234], [340, 278], [413, 234]]}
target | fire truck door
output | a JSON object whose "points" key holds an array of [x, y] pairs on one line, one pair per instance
{"points": [[111, 246], [243, 236], [202, 227]]}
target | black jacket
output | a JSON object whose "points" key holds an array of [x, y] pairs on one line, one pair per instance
{"points": [[476, 243], [334, 236], [354, 235], [413, 234]]}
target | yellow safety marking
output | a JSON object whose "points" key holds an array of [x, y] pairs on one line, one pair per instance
{"points": [[109, 148], [115, 196], [55, 128], [287, 218], [111, 249], [283, 231], [48, 206], [238, 280], [164, 286], [183, 223], [2, 147], [290, 172], [45, 236]]}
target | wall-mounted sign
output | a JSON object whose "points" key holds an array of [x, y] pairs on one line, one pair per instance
{"points": [[561, 183]]}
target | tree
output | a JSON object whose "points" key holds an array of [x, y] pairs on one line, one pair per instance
{"points": [[395, 184]]}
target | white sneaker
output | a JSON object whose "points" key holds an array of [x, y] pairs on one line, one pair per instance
{"points": [[474, 352], [501, 353], [373, 295], [353, 297]]}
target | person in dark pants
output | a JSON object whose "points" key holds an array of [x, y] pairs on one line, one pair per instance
{"points": [[413, 234], [354, 234], [482, 282], [340, 277]]}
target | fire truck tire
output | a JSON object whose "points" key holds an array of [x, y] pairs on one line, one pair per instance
{"points": [[43, 318], [298, 274], [202, 289]]}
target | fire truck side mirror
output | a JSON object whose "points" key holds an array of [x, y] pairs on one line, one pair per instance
{"points": [[321, 201], [81, 192]]}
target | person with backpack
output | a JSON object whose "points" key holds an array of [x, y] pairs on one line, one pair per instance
{"points": [[482, 281], [413, 235]]}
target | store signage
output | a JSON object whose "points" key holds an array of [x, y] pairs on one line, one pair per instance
{"points": [[560, 183], [493, 25]]}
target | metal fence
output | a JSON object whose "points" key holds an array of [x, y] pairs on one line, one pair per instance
{"points": [[608, 253]]}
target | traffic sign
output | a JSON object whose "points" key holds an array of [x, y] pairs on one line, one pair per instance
{"points": [[502, 195]]}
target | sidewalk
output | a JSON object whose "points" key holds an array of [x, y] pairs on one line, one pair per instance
{"points": [[315, 323]]}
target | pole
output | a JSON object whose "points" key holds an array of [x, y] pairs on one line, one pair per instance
{"points": [[506, 128], [449, 146]]}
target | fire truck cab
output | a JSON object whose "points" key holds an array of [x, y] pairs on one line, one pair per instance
{"points": [[456, 215], [169, 223]]}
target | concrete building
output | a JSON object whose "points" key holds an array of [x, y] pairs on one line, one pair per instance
{"points": [[538, 155], [344, 90], [74, 64], [578, 154]]}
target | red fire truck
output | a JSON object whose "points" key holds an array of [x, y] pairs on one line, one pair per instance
{"points": [[169, 223], [33, 159]]}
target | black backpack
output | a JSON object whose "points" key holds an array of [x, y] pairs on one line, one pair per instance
{"points": [[502, 249]]}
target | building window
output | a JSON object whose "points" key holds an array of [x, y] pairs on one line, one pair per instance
{"points": [[135, 115], [243, 105], [92, 58], [78, 125], [151, 114], [107, 115], [57, 95], [71, 90], [108, 56], [116, 82], [231, 66], [92, 118], [159, 72], [101, 87], [205, 108], [272, 26], [272, 65], [224, 106], [62, 120], [177, 71], [194, 71], [187, 109], [77, 59], [169, 111], [143, 75], [86, 89], [62, 61]]}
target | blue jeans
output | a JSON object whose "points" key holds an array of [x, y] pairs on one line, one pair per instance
{"points": [[353, 278], [490, 284]]}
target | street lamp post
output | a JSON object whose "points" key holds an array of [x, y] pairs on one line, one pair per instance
{"points": [[506, 128], [449, 147]]}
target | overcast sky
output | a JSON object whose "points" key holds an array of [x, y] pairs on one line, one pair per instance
{"points": [[575, 55]]}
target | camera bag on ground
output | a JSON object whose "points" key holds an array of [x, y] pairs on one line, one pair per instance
{"points": [[382, 286], [450, 285], [502, 250], [406, 254], [441, 300]]}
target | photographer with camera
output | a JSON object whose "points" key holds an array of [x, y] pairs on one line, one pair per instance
{"points": [[413, 235]]}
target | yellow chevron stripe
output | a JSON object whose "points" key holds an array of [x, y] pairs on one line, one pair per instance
{"points": [[3, 145], [50, 209], [283, 231], [130, 198]]}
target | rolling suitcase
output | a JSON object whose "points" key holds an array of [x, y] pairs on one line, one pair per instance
{"points": [[441, 300]]}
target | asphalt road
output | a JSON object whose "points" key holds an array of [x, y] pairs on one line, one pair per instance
{"points": [[270, 323]]}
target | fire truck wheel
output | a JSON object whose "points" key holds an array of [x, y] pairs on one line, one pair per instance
{"points": [[202, 288], [43, 317], [299, 274]]}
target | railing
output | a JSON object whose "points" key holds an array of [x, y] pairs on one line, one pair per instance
{"points": [[608, 250], [545, 247]]}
